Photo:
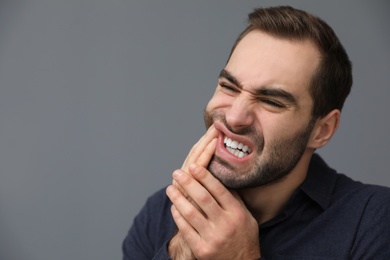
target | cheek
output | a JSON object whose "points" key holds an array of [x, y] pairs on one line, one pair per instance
{"points": [[209, 111], [273, 126], [285, 128]]}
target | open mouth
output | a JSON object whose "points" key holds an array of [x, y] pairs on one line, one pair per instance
{"points": [[236, 148]]}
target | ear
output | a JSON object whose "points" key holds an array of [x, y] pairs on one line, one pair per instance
{"points": [[324, 129]]}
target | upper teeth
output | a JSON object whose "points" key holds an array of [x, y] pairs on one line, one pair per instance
{"points": [[236, 148]]}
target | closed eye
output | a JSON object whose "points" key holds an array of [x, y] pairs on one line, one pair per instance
{"points": [[273, 103], [227, 87]]}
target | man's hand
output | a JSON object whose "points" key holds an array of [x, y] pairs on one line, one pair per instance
{"points": [[201, 154], [202, 151], [212, 220]]}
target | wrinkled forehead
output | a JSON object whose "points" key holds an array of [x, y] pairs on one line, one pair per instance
{"points": [[262, 59]]}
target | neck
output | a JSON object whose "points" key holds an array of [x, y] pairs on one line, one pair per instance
{"points": [[267, 201]]}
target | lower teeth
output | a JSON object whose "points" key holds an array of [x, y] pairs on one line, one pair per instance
{"points": [[236, 152]]}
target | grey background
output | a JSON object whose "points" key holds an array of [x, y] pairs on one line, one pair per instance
{"points": [[101, 100]]}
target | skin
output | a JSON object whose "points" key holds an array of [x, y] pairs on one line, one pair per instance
{"points": [[262, 100]]}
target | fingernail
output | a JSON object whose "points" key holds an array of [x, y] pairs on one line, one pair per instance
{"points": [[176, 174], [169, 189]]}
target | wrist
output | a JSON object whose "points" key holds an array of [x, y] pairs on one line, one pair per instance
{"points": [[179, 249]]}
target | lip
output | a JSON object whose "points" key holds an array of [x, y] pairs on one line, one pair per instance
{"points": [[224, 154]]}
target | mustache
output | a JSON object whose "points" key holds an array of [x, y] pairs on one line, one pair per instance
{"points": [[241, 131], [250, 131]]}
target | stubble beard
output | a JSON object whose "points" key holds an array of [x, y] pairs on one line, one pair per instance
{"points": [[272, 164]]}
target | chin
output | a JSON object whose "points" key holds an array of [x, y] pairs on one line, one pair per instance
{"points": [[229, 177]]}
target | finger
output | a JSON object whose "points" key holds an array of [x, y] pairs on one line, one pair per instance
{"points": [[189, 212], [200, 153], [199, 147], [198, 194], [185, 194], [218, 191], [186, 230], [177, 185], [205, 157]]}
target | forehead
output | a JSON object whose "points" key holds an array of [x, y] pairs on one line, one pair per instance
{"points": [[260, 59]]}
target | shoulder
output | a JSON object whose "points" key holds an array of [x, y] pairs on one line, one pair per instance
{"points": [[368, 205], [376, 190], [157, 212], [158, 204], [158, 199], [361, 194], [369, 193], [151, 229], [375, 196], [373, 232]]}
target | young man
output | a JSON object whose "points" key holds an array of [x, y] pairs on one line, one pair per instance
{"points": [[252, 186]]}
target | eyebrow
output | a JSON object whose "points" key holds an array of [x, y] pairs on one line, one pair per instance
{"points": [[225, 74], [264, 91]]}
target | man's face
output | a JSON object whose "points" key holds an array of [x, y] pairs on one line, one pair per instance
{"points": [[262, 110]]}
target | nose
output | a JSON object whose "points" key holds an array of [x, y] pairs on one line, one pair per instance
{"points": [[240, 114]]}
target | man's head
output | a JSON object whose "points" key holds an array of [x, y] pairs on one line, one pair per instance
{"points": [[279, 95], [332, 82]]}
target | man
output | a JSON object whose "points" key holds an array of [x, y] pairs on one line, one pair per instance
{"points": [[252, 187]]}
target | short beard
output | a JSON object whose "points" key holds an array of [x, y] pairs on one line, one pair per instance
{"points": [[281, 158]]}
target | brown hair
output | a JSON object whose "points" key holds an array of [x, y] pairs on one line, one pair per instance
{"points": [[332, 81]]}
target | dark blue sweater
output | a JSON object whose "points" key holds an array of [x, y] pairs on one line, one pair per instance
{"points": [[329, 216]]}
